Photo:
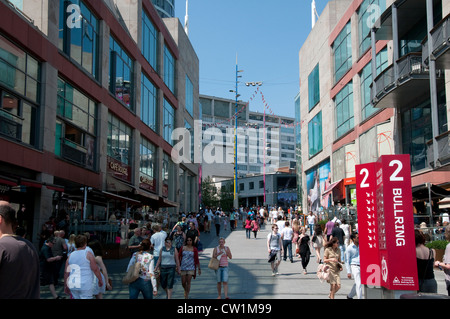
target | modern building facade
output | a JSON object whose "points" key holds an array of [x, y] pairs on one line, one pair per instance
{"points": [[165, 8], [91, 92], [363, 95], [261, 138]]}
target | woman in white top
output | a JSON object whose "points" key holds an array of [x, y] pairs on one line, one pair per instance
{"points": [[146, 281], [80, 270]]}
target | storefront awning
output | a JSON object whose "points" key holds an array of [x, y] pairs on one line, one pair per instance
{"points": [[54, 187], [423, 192], [114, 185], [164, 202], [121, 198], [8, 181], [30, 183], [331, 187], [146, 194]]}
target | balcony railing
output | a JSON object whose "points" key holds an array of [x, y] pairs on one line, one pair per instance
{"points": [[440, 37], [73, 152], [443, 142]]}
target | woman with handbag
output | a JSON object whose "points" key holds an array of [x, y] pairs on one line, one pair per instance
{"points": [[332, 257], [146, 281], [222, 253]]}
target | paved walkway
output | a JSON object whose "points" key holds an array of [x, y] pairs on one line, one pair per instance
{"points": [[250, 275]]}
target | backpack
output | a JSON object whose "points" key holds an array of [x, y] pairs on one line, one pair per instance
{"points": [[323, 272]]}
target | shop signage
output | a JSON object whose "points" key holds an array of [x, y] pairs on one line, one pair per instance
{"points": [[119, 170], [148, 183], [385, 223]]}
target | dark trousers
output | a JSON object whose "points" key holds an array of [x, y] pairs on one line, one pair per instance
{"points": [[287, 247], [217, 229]]}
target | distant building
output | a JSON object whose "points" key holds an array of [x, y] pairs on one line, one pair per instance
{"points": [[276, 146]]}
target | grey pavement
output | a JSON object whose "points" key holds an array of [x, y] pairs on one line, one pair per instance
{"points": [[250, 275]]}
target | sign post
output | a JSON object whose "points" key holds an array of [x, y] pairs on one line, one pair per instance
{"points": [[386, 225], [396, 224]]}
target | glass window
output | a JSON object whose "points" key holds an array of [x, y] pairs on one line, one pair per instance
{"points": [[417, 130], [120, 74], [315, 135], [169, 69], [149, 103], [342, 49], [119, 140], [367, 108], [75, 126], [78, 34], [314, 88], [368, 14], [169, 122], [344, 110], [147, 158], [19, 94], [189, 96], [149, 41]]}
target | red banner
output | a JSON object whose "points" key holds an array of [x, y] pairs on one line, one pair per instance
{"points": [[396, 223], [367, 224], [385, 223]]}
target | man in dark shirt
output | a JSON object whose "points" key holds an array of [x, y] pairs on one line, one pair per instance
{"points": [[338, 232], [48, 263], [19, 261]]}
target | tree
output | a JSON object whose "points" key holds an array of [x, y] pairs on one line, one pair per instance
{"points": [[209, 193]]}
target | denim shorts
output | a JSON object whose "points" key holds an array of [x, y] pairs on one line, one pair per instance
{"points": [[167, 277], [222, 274]]}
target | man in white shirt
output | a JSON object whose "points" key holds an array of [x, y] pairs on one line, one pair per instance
{"points": [[311, 220], [286, 235], [280, 223], [157, 240]]}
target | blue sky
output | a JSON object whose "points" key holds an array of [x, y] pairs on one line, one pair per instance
{"points": [[265, 35]]}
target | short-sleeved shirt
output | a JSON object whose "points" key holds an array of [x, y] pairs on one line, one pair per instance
{"points": [[19, 269], [274, 241]]}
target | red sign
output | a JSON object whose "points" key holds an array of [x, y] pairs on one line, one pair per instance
{"points": [[119, 169], [396, 224], [367, 224]]}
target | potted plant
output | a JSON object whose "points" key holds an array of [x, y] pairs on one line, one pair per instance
{"points": [[439, 247]]}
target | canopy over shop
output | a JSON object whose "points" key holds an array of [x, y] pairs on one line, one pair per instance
{"points": [[426, 196]]}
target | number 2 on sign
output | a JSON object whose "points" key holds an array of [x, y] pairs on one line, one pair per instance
{"points": [[394, 177], [363, 182]]}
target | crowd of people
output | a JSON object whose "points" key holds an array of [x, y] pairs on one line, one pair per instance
{"points": [[161, 253]]}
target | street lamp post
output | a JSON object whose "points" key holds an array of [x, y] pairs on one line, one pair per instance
{"points": [[264, 140]]}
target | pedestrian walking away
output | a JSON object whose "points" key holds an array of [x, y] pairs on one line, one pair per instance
{"points": [[217, 223], [97, 248], [286, 235], [353, 267], [425, 262], [223, 253], [275, 248], [19, 260], [80, 270], [146, 283], [189, 264]]}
